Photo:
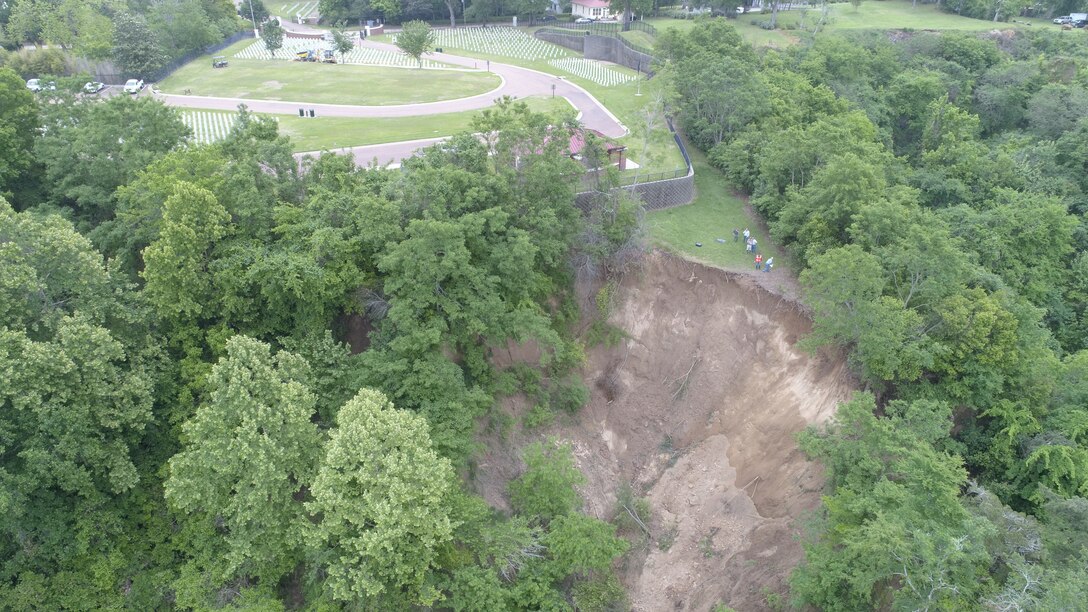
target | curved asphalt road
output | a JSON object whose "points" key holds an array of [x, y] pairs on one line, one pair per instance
{"points": [[516, 82]]}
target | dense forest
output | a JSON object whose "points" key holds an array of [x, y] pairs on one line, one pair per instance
{"points": [[179, 425], [140, 37], [933, 188]]}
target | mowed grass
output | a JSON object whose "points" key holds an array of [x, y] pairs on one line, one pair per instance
{"points": [[328, 133], [871, 15], [325, 83], [713, 215]]}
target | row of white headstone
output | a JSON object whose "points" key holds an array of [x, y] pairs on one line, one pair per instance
{"points": [[358, 55], [590, 70]]}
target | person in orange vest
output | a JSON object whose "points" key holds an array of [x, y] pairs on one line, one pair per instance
{"points": [[759, 262]]}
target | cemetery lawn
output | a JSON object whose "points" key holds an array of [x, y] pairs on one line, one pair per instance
{"points": [[325, 83], [329, 133]]}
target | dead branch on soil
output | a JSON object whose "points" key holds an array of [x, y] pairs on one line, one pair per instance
{"points": [[683, 380], [638, 521], [729, 501]]}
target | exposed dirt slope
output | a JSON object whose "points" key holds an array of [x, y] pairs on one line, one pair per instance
{"points": [[698, 410]]}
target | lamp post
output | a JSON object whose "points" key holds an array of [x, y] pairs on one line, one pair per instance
{"points": [[256, 32], [462, 11]]}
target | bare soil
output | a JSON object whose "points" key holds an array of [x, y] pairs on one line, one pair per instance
{"points": [[697, 410]]}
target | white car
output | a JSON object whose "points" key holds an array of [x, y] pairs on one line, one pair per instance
{"points": [[133, 86], [93, 87], [583, 20], [1063, 20], [36, 85]]}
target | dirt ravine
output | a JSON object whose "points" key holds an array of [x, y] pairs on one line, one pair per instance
{"points": [[698, 410]]}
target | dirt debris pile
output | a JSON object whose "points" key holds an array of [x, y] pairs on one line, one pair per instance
{"points": [[697, 409]]}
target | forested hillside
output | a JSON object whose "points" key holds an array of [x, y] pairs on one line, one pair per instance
{"points": [[139, 36], [933, 187], [181, 428]]}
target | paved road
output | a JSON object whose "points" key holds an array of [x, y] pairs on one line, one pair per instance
{"points": [[516, 82]]}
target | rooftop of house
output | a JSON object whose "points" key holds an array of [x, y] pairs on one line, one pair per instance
{"points": [[578, 142], [591, 3]]}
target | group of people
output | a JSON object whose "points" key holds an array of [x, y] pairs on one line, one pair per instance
{"points": [[751, 245]]}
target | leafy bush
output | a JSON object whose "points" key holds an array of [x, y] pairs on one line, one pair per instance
{"points": [[546, 489]]}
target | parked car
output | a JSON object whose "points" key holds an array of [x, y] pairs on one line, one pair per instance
{"points": [[133, 86], [1064, 19], [1079, 23], [548, 18], [583, 20], [93, 87], [37, 85]]}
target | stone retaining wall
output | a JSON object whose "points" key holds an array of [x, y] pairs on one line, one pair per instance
{"points": [[605, 48]]}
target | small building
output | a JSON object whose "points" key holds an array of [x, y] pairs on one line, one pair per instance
{"points": [[593, 9], [617, 153]]}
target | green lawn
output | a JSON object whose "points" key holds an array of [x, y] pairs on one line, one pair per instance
{"points": [[325, 83], [639, 38], [713, 215], [321, 133], [872, 14]]}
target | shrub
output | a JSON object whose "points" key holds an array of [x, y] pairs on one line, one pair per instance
{"points": [[546, 489]]}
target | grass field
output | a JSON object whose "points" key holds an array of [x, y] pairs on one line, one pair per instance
{"points": [[338, 132], [326, 83], [321, 133], [871, 15], [713, 215]]}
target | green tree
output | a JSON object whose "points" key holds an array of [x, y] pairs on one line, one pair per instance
{"points": [[415, 39], [136, 47], [580, 544], [176, 266], [895, 529], [90, 148], [183, 26], [254, 10], [381, 494], [1056, 108], [818, 215], [77, 393], [272, 34], [19, 123], [845, 287], [342, 43], [629, 9], [546, 490], [250, 451]]}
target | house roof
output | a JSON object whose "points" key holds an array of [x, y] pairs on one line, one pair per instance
{"points": [[578, 142], [591, 3]]}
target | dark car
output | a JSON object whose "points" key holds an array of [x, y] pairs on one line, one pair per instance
{"points": [[548, 18]]}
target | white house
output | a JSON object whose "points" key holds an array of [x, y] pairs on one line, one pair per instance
{"points": [[594, 9]]}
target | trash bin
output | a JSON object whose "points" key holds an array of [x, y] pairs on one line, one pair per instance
{"points": [[301, 112], [312, 114], [438, 49]]}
